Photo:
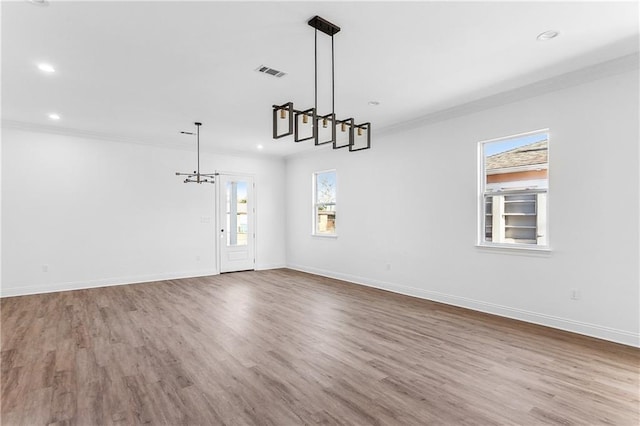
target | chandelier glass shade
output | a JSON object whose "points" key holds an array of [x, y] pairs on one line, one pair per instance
{"points": [[308, 124]]}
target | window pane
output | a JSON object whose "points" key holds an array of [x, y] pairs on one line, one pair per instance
{"points": [[326, 187], [523, 204], [488, 218], [326, 219], [515, 183], [237, 226], [516, 164]]}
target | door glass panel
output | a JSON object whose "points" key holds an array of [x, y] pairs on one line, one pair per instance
{"points": [[237, 225]]}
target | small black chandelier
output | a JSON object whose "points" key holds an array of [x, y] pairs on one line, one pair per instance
{"points": [[323, 129], [196, 176]]}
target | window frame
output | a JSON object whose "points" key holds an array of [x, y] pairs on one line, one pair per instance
{"points": [[481, 206], [315, 204]]}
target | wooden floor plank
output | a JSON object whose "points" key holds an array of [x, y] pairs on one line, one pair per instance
{"points": [[283, 347]]}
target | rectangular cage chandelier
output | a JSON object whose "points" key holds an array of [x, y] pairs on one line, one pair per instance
{"points": [[308, 124]]}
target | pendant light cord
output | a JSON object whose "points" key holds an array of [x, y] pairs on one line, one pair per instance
{"points": [[333, 78], [333, 85], [315, 90], [198, 138]]}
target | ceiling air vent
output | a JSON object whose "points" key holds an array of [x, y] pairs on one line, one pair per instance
{"points": [[270, 71]]}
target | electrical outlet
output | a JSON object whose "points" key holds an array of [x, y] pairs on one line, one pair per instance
{"points": [[575, 294], [45, 268], [205, 219], [388, 266], [197, 258]]}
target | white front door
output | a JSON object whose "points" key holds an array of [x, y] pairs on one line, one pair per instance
{"points": [[236, 223]]}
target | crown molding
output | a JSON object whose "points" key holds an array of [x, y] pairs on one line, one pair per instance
{"points": [[581, 76], [167, 143], [82, 133], [574, 78]]}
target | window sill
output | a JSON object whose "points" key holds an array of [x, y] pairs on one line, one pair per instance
{"points": [[324, 236], [515, 249]]}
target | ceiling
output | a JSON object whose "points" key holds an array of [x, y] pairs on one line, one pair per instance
{"points": [[143, 71]]}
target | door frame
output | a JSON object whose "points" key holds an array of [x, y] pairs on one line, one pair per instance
{"points": [[219, 219]]}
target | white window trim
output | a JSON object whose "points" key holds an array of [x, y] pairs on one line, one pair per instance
{"points": [[480, 214], [313, 204]]}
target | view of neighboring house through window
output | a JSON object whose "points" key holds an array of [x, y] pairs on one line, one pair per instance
{"points": [[324, 203], [514, 187]]}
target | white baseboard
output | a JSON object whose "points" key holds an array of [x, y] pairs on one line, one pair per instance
{"points": [[592, 330], [138, 279], [270, 266], [106, 282]]}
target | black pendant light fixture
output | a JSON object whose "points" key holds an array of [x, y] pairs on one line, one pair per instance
{"points": [[196, 176], [322, 128]]}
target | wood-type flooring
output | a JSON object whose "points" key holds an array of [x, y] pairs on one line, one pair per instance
{"points": [[282, 347]]}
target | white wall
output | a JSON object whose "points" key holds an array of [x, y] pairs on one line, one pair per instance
{"points": [[100, 212], [411, 202]]}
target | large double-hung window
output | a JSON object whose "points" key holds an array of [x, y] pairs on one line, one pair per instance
{"points": [[514, 184]]}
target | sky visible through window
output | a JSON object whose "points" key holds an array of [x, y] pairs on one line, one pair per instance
{"points": [[491, 148], [242, 190], [326, 187]]}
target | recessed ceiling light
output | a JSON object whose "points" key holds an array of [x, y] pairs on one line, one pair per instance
{"points": [[374, 103], [54, 116], [48, 68], [260, 147], [39, 2], [548, 35]]}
